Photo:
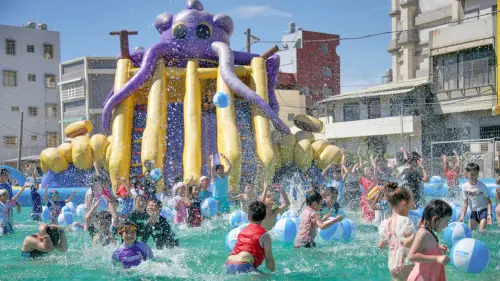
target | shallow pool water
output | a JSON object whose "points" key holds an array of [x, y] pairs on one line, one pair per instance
{"points": [[202, 255]]}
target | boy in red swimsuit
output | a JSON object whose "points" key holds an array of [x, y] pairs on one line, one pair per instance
{"points": [[253, 245]]}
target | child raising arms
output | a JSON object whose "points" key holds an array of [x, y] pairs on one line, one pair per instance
{"points": [[428, 255], [272, 211]]}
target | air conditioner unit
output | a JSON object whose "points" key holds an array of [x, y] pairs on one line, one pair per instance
{"points": [[42, 26], [31, 25]]}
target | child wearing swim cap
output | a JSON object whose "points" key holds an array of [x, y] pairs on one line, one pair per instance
{"points": [[6, 205], [221, 183], [253, 246], [131, 253], [310, 220], [54, 204], [398, 231], [271, 210]]}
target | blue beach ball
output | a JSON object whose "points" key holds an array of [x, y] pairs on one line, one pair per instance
{"points": [[80, 212], [289, 215], [232, 238], [348, 229], [238, 217], [209, 207], [65, 219], [156, 174], [331, 233], [455, 232], [66, 209], [221, 99], [470, 256], [72, 207], [285, 230]]}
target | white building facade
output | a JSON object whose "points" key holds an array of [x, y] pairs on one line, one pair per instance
{"points": [[29, 58], [85, 84], [443, 82]]}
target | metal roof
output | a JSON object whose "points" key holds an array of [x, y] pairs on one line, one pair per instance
{"points": [[382, 90]]}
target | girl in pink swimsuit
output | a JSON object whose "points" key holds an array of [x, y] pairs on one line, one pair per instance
{"points": [[426, 252]]}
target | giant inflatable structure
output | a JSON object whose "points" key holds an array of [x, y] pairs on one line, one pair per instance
{"points": [[160, 109]]}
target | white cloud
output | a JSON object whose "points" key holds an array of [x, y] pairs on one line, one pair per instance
{"points": [[252, 11]]}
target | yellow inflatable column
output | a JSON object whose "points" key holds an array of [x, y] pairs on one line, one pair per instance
{"points": [[119, 161], [263, 138], [228, 137], [192, 123], [153, 139]]}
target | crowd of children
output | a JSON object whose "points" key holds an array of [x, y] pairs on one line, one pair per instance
{"points": [[385, 198]]}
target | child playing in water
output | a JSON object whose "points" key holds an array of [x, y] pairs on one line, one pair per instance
{"points": [[350, 174], [105, 226], [310, 221], [149, 183], [476, 196], [247, 197], [54, 204], [430, 257], [452, 172], [271, 210], [181, 202], [6, 204], [36, 199], [336, 180], [204, 192], [413, 176], [194, 210], [4, 184], [254, 244], [131, 253], [50, 237], [378, 203], [397, 231], [158, 227], [221, 183], [139, 215], [330, 205], [367, 183]]}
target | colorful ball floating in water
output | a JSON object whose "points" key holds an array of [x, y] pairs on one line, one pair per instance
{"points": [[285, 230], [80, 212], [66, 209], [470, 256], [156, 174], [65, 219], [289, 215], [455, 232], [342, 231], [71, 206], [221, 99], [209, 207], [237, 218]]}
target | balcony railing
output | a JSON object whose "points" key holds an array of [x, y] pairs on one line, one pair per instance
{"points": [[464, 75]]}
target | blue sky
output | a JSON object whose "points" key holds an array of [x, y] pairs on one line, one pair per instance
{"points": [[84, 26]]}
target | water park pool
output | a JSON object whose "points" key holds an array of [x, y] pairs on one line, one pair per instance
{"points": [[203, 253]]}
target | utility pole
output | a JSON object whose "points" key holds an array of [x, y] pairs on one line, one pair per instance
{"points": [[250, 39], [124, 50], [20, 144]]}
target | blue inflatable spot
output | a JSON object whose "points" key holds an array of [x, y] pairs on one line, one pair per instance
{"points": [[156, 174], [221, 99]]}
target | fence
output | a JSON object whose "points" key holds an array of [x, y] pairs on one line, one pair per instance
{"points": [[464, 75]]}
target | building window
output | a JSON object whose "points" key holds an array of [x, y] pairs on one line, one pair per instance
{"points": [[351, 111], [10, 47], [489, 132], [374, 108], [48, 51], [291, 116], [465, 69], [324, 49], [30, 48], [32, 111], [52, 139], [326, 71], [327, 92], [9, 140], [10, 78], [470, 15], [14, 108], [51, 109], [34, 138], [31, 77], [50, 81], [406, 106]]}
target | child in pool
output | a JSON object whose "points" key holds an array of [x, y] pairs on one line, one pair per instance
{"points": [[105, 226], [330, 205], [246, 198], [397, 231], [36, 199], [194, 210], [271, 210], [378, 203], [253, 246], [476, 197], [367, 182], [221, 183], [54, 204], [124, 194], [204, 184], [50, 237], [158, 227], [336, 180], [6, 204], [139, 215], [181, 202], [131, 253], [310, 221], [426, 252]]}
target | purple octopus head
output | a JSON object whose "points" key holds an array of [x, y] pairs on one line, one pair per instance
{"points": [[191, 32]]}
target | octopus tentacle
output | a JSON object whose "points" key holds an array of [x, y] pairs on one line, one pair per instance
{"points": [[226, 64], [272, 68], [149, 61]]}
